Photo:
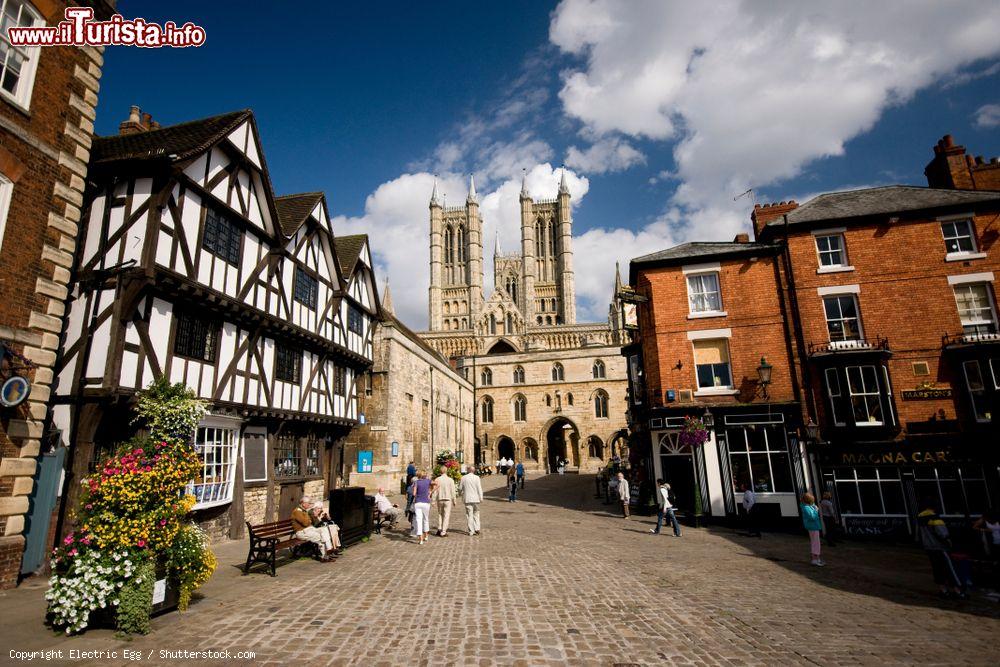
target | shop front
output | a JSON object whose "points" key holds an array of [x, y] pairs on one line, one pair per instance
{"points": [[745, 448], [879, 487]]}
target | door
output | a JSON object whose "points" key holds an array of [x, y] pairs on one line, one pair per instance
{"points": [[291, 494], [43, 501], [678, 472]]}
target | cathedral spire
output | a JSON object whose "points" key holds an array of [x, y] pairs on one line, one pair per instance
{"points": [[618, 280], [496, 246], [387, 298], [524, 184], [563, 188], [434, 194], [472, 189]]}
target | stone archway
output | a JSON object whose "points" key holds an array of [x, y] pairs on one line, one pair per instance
{"points": [[562, 440], [506, 448]]}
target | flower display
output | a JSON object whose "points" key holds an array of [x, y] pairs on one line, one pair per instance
{"points": [[131, 515], [694, 434], [448, 462]]}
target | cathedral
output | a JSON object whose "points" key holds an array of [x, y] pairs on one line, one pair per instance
{"points": [[547, 388]]}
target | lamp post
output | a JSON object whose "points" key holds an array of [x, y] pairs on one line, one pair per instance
{"points": [[764, 375]]}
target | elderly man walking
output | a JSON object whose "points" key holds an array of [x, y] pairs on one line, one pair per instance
{"points": [[443, 493], [623, 494], [471, 490]]}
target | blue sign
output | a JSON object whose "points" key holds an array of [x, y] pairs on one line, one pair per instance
{"points": [[365, 461], [14, 391], [395, 448]]}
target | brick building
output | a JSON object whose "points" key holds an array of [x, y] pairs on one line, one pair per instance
{"points": [[47, 102], [876, 310], [896, 324], [712, 344]]}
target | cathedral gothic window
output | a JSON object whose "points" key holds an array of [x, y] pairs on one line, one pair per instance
{"points": [[487, 377], [520, 408], [487, 408], [569, 399], [552, 238], [519, 375], [599, 370], [461, 245], [558, 373], [601, 404]]}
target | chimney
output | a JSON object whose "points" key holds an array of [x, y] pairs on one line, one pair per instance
{"points": [[764, 214], [742, 237], [137, 122], [951, 168]]}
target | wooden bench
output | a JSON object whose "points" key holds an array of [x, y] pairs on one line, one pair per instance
{"points": [[267, 538]]}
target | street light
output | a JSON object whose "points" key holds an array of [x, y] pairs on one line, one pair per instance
{"points": [[764, 375], [708, 419], [812, 431]]}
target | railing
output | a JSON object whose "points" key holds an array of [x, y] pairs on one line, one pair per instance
{"points": [[878, 344], [951, 340]]}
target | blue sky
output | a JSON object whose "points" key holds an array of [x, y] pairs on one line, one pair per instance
{"points": [[662, 112]]}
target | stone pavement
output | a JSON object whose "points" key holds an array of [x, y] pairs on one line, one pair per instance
{"points": [[558, 579]]}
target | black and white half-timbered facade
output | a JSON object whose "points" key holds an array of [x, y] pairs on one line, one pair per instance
{"points": [[191, 269]]}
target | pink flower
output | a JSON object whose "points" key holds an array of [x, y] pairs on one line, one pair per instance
{"points": [[137, 451], [141, 543], [148, 468], [89, 506], [163, 522], [69, 539], [72, 552]]}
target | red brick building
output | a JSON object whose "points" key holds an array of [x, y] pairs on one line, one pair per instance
{"points": [[876, 309], [47, 102], [713, 326]]}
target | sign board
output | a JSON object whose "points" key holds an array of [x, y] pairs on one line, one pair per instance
{"points": [[159, 591], [14, 391], [365, 461], [631, 317], [925, 394]]}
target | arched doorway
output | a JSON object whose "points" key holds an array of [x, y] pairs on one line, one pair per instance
{"points": [[505, 448], [676, 467], [561, 439], [530, 450]]}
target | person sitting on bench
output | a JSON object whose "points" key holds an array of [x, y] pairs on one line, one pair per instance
{"points": [[309, 526], [389, 511]]}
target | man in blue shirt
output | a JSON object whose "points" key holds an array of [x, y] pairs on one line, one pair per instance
{"points": [[411, 472], [519, 471]]}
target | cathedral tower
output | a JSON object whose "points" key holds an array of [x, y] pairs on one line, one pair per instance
{"points": [[547, 258], [456, 289]]}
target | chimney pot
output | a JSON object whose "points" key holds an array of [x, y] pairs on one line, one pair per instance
{"points": [[742, 237], [948, 141]]}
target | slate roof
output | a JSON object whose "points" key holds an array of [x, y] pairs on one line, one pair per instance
{"points": [[881, 201], [294, 209], [701, 250], [180, 141], [348, 250]]}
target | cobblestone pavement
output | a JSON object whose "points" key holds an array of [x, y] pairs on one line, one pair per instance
{"points": [[557, 578]]}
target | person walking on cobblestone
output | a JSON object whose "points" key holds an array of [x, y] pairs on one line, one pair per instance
{"points": [[831, 521], [471, 489], [936, 541], [511, 485], [421, 507], [814, 526], [520, 473], [666, 500], [444, 497], [750, 514], [623, 494]]}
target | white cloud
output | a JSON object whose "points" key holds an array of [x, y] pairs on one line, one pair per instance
{"points": [[751, 92], [607, 155], [397, 220], [988, 115]]}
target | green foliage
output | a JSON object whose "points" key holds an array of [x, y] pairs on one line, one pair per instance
{"points": [[170, 412], [190, 561], [136, 601], [698, 509]]}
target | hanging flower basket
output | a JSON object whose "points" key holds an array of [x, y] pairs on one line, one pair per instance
{"points": [[694, 434]]}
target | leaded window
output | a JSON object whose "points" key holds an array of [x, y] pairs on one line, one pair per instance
{"points": [[288, 364], [216, 449], [222, 237], [287, 456], [355, 320], [520, 409], [306, 288], [196, 338]]}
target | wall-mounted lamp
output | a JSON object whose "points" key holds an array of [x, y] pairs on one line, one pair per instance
{"points": [[708, 419], [679, 365], [812, 431], [764, 375]]}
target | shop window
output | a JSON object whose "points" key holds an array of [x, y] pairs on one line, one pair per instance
{"points": [[487, 410], [842, 321], [216, 448], [520, 408], [830, 248], [18, 63], [287, 364], [956, 490], [869, 491], [486, 377], [958, 236], [287, 457], [975, 308], [704, 295], [862, 383], [222, 237], [758, 456], [519, 375], [306, 288], [711, 360], [599, 370], [196, 338]]}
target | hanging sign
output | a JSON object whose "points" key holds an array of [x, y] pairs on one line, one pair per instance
{"points": [[365, 461], [14, 391]]}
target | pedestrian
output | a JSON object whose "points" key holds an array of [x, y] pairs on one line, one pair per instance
{"points": [[421, 506], [511, 486], [623, 494], [814, 526], [989, 526], [411, 472], [749, 502], [470, 487], [444, 497], [667, 500], [831, 520], [519, 468], [936, 541]]}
